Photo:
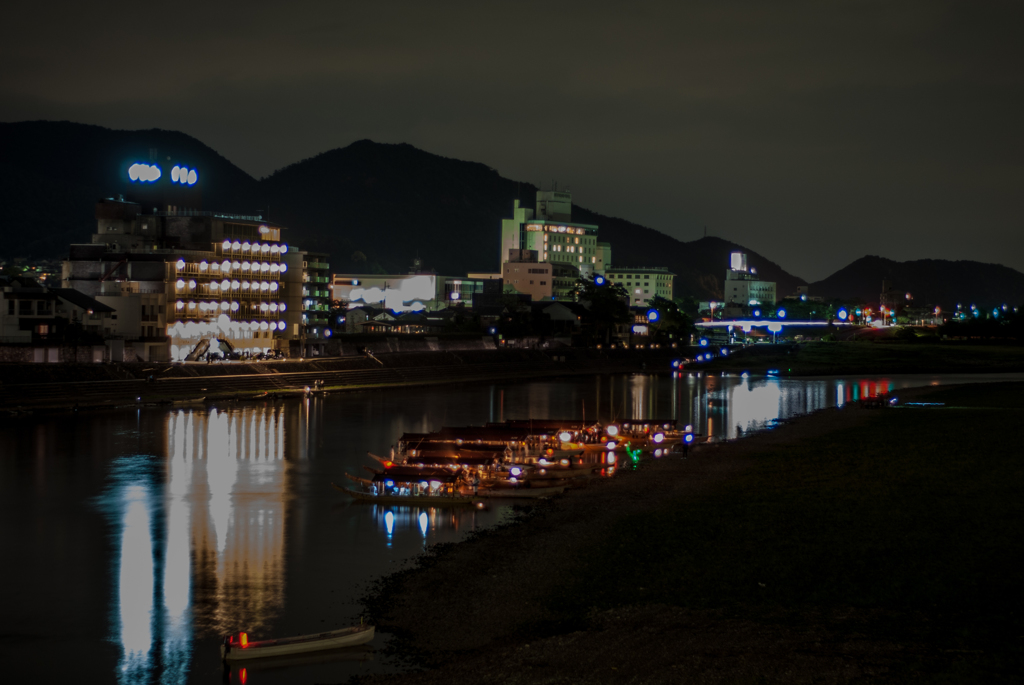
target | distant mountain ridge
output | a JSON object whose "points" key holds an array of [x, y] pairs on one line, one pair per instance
{"points": [[371, 206], [930, 281]]}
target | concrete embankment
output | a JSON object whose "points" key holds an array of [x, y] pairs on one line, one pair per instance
{"points": [[59, 386]]}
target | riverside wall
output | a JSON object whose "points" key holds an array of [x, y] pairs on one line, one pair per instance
{"points": [[25, 387]]}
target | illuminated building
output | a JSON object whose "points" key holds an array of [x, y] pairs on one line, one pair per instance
{"points": [[307, 285], [549, 231], [743, 287], [642, 283], [182, 281], [418, 291]]}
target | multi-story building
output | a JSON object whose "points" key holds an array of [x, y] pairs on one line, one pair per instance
{"points": [[549, 231], [51, 324], [184, 282], [313, 328], [743, 287], [643, 283]]}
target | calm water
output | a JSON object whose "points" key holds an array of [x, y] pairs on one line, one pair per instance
{"points": [[133, 540]]}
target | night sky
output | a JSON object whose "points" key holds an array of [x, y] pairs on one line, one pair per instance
{"points": [[813, 132]]}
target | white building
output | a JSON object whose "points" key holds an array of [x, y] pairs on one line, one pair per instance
{"points": [[643, 283], [743, 287]]}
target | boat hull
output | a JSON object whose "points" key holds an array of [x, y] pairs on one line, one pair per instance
{"points": [[304, 644]]}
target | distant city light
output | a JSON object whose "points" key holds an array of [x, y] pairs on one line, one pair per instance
{"points": [[782, 313], [599, 280], [843, 314], [653, 315]]}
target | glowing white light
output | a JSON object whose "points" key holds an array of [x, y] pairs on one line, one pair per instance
{"points": [[273, 287], [235, 265], [273, 268], [234, 285], [280, 325], [245, 247], [192, 177], [133, 172], [283, 268], [264, 229], [264, 306], [226, 245], [565, 436], [224, 306], [284, 249], [180, 284], [274, 249], [659, 438], [282, 306], [612, 430], [179, 304], [265, 247], [610, 445], [264, 326], [213, 285], [264, 286], [235, 245], [264, 266], [203, 265], [180, 264], [245, 285], [245, 266]]}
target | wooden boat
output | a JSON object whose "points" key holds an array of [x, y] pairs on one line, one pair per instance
{"points": [[238, 647], [408, 500], [362, 481]]}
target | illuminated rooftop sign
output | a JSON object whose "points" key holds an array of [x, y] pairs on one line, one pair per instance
{"points": [[144, 173], [184, 175]]}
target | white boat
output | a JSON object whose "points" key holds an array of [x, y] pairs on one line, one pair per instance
{"points": [[237, 647]]}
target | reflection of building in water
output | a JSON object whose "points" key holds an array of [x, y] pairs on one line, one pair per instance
{"points": [[227, 482]]}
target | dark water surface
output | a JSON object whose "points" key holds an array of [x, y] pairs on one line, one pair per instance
{"points": [[133, 540]]}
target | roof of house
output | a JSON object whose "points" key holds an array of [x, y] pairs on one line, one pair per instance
{"points": [[81, 300]]}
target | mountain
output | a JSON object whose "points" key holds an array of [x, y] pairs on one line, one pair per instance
{"points": [[371, 206], [53, 172], [930, 281]]}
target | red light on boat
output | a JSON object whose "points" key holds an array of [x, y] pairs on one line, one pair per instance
{"points": [[387, 464], [243, 675], [243, 639]]}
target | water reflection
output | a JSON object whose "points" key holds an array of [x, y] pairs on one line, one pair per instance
{"points": [[183, 525]]}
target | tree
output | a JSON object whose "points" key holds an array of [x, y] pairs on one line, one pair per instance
{"points": [[606, 304], [672, 322]]}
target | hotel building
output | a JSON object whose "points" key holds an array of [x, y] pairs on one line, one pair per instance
{"points": [[184, 282]]}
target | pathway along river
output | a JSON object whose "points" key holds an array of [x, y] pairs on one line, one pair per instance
{"points": [[133, 540]]}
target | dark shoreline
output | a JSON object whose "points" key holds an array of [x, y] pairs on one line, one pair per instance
{"points": [[494, 608]]}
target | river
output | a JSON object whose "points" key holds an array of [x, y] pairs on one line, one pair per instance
{"points": [[134, 539]]}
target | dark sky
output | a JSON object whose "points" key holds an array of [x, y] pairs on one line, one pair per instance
{"points": [[813, 132]]}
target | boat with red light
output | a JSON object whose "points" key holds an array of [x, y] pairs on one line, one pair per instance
{"points": [[238, 646]]}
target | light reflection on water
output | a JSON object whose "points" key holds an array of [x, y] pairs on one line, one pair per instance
{"points": [[222, 519]]}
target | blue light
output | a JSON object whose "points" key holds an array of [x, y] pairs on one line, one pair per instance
{"points": [[843, 314], [599, 280], [782, 314], [725, 351], [757, 312], [703, 342], [492, 330], [688, 438], [653, 315]]}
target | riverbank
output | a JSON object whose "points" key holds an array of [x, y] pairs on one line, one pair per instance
{"points": [[846, 546], [33, 387]]}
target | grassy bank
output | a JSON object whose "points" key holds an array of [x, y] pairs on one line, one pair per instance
{"points": [[889, 357], [854, 546]]}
